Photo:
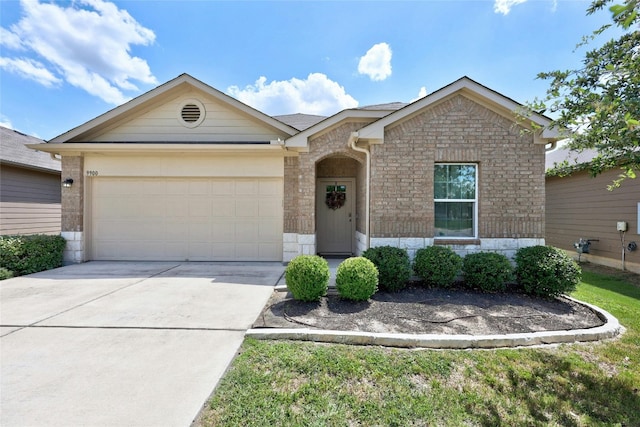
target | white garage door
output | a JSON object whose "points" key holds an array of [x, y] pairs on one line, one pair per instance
{"points": [[178, 219]]}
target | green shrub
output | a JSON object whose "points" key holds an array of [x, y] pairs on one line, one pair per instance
{"points": [[437, 265], [30, 254], [356, 279], [546, 271], [393, 264], [307, 277], [487, 271], [5, 274]]}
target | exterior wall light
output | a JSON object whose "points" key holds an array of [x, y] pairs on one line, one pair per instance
{"points": [[67, 183]]}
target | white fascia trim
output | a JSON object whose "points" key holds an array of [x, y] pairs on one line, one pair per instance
{"points": [[465, 85], [73, 148], [301, 140]]}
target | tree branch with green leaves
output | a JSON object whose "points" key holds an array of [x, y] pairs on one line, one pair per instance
{"points": [[597, 106]]}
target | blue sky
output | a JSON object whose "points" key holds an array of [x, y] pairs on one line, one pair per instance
{"points": [[63, 63]]}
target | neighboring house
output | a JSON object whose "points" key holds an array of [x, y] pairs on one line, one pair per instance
{"points": [[185, 172], [29, 187], [581, 207]]}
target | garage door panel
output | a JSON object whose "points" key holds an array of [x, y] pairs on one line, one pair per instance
{"points": [[223, 208], [148, 188], [199, 208], [199, 188], [223, 232], [266, 232], [246, 232], [247, 188], [270, 188], [247, 251], [223, 187], [269, 207], [176, 208], [247, 208], [177, 219]]}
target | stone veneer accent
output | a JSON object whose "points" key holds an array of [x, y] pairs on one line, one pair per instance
{"points": [[74, 249], [361, 243], [294, 244], [507, 247]]}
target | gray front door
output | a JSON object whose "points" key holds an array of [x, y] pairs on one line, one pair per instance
{"points": [[335, 215]]}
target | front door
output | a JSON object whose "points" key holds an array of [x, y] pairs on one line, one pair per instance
{"points": [[335, 215]]}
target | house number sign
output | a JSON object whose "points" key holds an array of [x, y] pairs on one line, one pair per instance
{"points": [[92, 173]]}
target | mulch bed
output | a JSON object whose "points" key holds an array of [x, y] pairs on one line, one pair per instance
{"points": [[419, 310]]}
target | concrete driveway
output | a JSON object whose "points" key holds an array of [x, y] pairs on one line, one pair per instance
{"points": [[123, 343]]}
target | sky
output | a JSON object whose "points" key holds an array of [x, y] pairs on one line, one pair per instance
{"points": [[63, 63]]}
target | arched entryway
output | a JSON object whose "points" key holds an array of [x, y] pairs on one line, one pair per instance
{"points": [[337, 207]]}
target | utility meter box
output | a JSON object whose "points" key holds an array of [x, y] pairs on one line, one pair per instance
{"points": [[621, 226]]}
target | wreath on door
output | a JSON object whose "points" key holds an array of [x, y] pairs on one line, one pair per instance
{"points": [[335, 199]]}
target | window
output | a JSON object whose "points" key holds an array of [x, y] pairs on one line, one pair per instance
{"points": [[455, 196]]}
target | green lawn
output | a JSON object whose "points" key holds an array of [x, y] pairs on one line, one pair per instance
{"points": [[279, 383]]}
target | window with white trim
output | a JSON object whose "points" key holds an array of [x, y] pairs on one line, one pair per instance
{"points": [[456, 200]]}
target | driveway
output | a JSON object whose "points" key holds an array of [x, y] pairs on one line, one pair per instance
{"points": [[123, 343]]}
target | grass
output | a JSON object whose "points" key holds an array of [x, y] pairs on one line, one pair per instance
{"points": [[279, 383]]}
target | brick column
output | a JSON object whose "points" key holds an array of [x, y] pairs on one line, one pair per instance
{"points": [[73, 209]]}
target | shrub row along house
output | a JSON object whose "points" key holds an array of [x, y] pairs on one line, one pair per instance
{"points": [[185, 172]]}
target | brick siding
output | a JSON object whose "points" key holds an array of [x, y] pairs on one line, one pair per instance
{"points": [[300, 176], [73, 197], [510, 172]]}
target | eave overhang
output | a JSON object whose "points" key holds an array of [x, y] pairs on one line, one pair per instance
{"points": [[500, 104], [301, 140], [150, 149]]}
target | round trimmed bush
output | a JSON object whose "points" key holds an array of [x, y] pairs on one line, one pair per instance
{"points": [[356, 279], [546, 271], [393, 264], [487, 271], [307, 277], [437, 265]]}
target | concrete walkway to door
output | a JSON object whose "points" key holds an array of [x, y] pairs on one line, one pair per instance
{"points": [[123, 343]]}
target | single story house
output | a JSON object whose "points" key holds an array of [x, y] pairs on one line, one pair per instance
{"points": [[185, 172], [581, 207], [29, 186]]}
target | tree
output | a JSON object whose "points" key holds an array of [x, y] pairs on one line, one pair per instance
{"points": [[600, 103]]}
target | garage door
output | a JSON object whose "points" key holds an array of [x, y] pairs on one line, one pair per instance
{"points": [[194, 219]]}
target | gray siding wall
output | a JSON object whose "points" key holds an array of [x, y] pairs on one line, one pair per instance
{"points": [[29, 201], [580, 206]]}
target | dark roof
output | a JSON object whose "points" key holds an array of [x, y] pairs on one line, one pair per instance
{"points": [[391, 106], [304, 121], [13, 151], [300, 121]]}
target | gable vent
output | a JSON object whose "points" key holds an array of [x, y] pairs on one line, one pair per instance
{"points": [[190, 113]]}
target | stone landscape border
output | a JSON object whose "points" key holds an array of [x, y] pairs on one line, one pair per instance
{"points": [[611, 329]]}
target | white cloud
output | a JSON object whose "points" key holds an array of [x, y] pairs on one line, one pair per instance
{"points": [[504, 6], [10, 40], [376, 63], [316, 94], [87, 43], [30, 69], [421, 94], [5, 122]]}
